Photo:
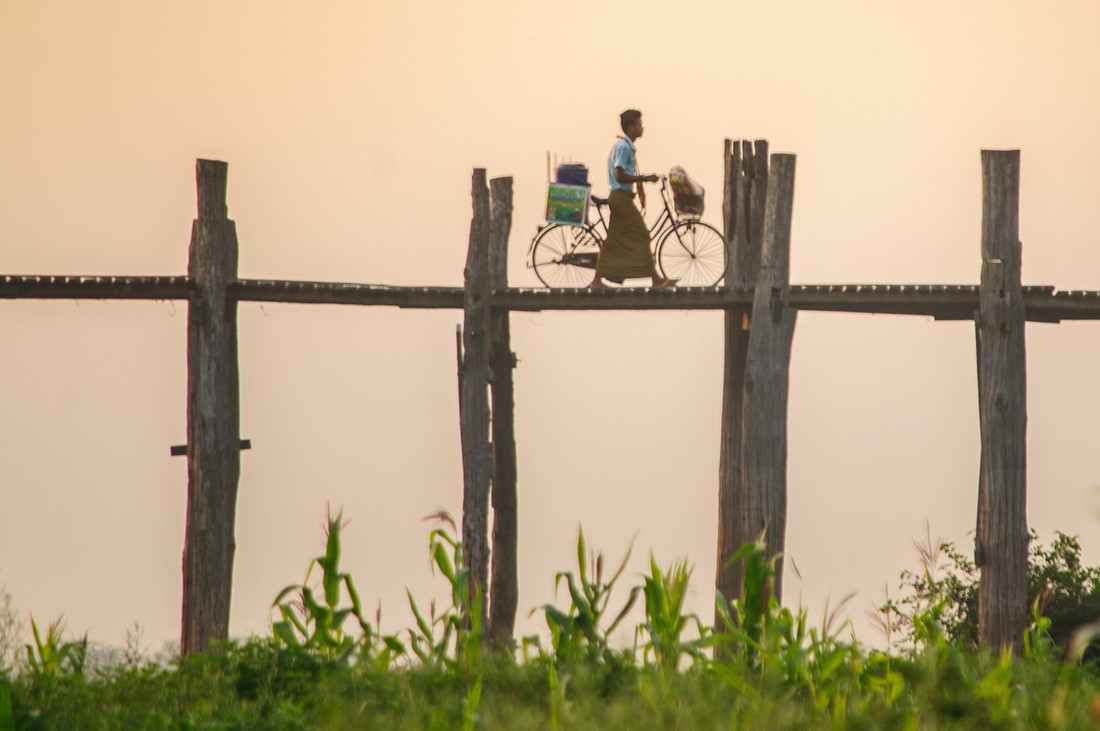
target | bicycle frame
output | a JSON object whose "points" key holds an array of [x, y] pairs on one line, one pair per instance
{"points": [[665, 220]]}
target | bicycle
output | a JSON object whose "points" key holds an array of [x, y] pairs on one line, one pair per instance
{"points": [[686, 249]]}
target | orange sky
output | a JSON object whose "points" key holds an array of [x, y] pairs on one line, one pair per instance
{"points": [[351, 131]]}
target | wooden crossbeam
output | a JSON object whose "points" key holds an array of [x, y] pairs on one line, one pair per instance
{"points": [[85, 287], [941, 301], [180, 450]]}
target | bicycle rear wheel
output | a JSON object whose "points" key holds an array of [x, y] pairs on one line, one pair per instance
{"points": [[565, 256], [693, 253]]}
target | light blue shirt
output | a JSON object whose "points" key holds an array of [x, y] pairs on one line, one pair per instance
{"points": [[622, 156]]}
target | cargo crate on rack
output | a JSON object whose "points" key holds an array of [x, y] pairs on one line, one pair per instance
{"points": [[567, 203], [573, 173]]}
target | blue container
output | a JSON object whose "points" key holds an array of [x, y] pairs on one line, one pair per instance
{"points": [[573, 173]]}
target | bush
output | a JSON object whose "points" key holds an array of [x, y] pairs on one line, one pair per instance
{"points": [[1068, 592]]}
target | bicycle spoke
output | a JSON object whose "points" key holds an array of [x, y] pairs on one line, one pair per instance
{"points": [[565, 256], [694, 253]]}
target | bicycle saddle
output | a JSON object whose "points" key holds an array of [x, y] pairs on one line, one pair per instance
{"points": [[598, 200]]}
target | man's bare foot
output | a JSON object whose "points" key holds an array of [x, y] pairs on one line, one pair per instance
{"points": [[597, 283]]}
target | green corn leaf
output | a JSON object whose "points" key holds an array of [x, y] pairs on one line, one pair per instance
{"points": [[581, 563], [734, 677], [722, 606], [285, 632], [580, 601], [37, 637], [558, 618], [414, 642], [622, 614], [290, 589], [831, 662], [330, 562], [394, 643], [557, 580], [338, 618], [353, 595], [622, 564], [421, 623], [443, 561], [331, 584], [298, 623], [310, 604]]}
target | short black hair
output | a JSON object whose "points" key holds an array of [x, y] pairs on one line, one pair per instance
{"points": [[628, 118]]}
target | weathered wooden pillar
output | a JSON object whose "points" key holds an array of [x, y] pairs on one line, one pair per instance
{"points": [[745, 191], [213, 416], [1002, 403], [767, 374], [474, 397], [504, 587]]}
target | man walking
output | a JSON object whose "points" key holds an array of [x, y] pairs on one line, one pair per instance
{"points": [[626, 254]]}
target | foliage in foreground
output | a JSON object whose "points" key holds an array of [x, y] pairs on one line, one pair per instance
{"points": [[764, 667], [1067, 590]]}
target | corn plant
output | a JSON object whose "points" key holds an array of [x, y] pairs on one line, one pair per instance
{"points": [[665, 592], [764, 645], [743, 619], [317, 623], [52, 656], [1036, 640], [580, 629], [450, 638]]}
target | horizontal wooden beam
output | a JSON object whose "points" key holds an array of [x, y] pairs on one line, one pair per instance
{"points": [[180, 450], [95, 288], [941, 301]]}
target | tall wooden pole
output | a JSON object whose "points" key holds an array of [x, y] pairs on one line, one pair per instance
{"points": [[504, 589], [767, 374], [746, 181], [474, 398], [1002, 403], [213, 416]]}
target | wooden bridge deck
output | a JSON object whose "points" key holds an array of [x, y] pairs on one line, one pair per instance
{"points": [[941, 301]]}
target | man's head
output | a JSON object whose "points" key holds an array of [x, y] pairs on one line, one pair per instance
{"points": [[631, 123]]}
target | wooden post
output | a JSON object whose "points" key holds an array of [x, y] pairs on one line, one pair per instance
{"points": [[504, 589], [746, 181], [474, 398], [1002, 402], [767, 374], [213, 416]]}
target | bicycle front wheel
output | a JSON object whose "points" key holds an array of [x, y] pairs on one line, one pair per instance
{"points": [[565, 256], [693, 253]]}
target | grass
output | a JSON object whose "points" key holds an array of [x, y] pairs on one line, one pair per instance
{"points": [[765, 667]]}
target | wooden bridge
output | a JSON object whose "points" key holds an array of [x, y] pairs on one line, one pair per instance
{"points": [[940, 301], [760, 305]]}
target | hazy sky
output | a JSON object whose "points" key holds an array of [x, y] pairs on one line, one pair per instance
{"points": [[351, 130]]}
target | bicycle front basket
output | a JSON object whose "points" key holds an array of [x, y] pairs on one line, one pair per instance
{"points": [[688, 205]]}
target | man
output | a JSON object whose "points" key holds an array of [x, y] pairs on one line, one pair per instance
{"points": [[626, 254]]}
